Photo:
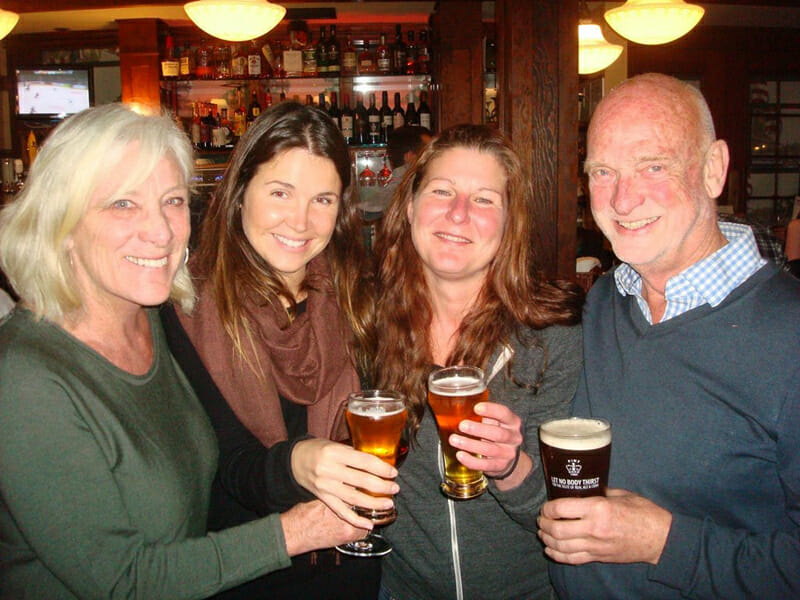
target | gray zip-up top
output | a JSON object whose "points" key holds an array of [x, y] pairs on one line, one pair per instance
{"points": [[486, 547]]}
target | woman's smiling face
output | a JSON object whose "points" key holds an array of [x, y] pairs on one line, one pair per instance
{"points": [[289, 211], [458, 215]]}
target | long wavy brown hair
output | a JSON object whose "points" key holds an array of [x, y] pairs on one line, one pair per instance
{"points": [[227, 261], [514, 293]]}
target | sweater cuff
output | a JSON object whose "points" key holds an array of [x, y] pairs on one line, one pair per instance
{"points": [[251, 550], [678, 563], [302, 493], [523, 501]]}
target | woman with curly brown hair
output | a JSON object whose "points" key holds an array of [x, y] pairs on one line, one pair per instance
{"points": [[459, 288]]}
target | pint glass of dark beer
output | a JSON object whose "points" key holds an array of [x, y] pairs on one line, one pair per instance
{"points": [[575, 457], [453, 393]]}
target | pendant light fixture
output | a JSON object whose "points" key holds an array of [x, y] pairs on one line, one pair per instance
{"points": [[595, 53], [235, 20], [654, 21], [8, 21]]}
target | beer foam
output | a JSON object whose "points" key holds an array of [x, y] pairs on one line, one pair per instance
{"points": [[374, 411], [576, 434], [457, 386]]}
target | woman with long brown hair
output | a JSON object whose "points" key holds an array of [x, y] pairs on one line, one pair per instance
{"points": [[282, 329], [458, 287]]}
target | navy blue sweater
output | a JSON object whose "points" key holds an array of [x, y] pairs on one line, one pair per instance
{"points": [[705, 414]]}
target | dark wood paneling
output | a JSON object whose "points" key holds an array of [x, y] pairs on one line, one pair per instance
{"points": [[538, 47], [459, 59], [139, 62]]}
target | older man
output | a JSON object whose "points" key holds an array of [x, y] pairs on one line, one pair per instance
{"points": [[692, 352]]}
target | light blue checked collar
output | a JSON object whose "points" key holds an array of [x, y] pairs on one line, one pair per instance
{"points": [[708, 281]]}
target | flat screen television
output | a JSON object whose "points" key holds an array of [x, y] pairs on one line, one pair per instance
{"points": [[52, 92]]}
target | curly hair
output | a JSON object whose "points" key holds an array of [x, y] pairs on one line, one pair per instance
{"points": [[514, 293]]}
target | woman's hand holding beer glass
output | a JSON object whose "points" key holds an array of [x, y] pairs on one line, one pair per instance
{"points": [[376, 419], [343, 477], [490, 446]]}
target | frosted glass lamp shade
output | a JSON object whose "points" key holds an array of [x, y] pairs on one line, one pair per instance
{"points": [[654, 21], [595, 53], [235, 20], [8, 21]]}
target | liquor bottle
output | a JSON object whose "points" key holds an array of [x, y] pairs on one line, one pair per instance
{"points": [[207, 124], [267, 99], [347, 121], [187, 62], [170, 65], [386, 117], [374, 121], [204, 61], [334, 111], [222, 62], [385, 174], [254, 109], [321, 51], [360, 121], [398, 114], [334, 66], [412, 118], [366, 60], [424, 111], [423, 54], [253, 60], [195, 129], [398, 52], [411, 55], [309, 100], [238, 62], [383, 57], [322, 104], [349, 58], [239, 122], [310, 59]]}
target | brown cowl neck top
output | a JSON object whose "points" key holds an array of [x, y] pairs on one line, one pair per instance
{"points": [[305, 360]]}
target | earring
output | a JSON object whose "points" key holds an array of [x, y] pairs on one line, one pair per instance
{"points": [[186, 257]]}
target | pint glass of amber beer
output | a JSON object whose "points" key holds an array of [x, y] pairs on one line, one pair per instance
{"points": [[376, 419], [575, 457], [453, 393]]}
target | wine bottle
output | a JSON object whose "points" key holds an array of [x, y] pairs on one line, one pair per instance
{"points": [[398, 52], [398, 114], [412, 118], [321, 51], [347, 120], [334, 111], [386, 117], [374, 119], [423, 65], [360, 121], [424, 111], [411, 55]]}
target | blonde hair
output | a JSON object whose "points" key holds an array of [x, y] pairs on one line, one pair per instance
{"points": [[77, 157]]}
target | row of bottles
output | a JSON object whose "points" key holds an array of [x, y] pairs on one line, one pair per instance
{"points": [[300, 56], [372, 125], [215, 127]]}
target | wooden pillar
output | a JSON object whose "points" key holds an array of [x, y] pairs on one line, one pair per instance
{"points": [[538, 100], [139, 63], [459, 62]]}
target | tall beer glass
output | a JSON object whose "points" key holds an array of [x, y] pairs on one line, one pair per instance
{"points": [[453, 393], [376, 419], [575, 457]]}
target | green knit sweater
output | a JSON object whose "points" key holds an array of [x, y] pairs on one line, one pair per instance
{"points": [[105, 478]]}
